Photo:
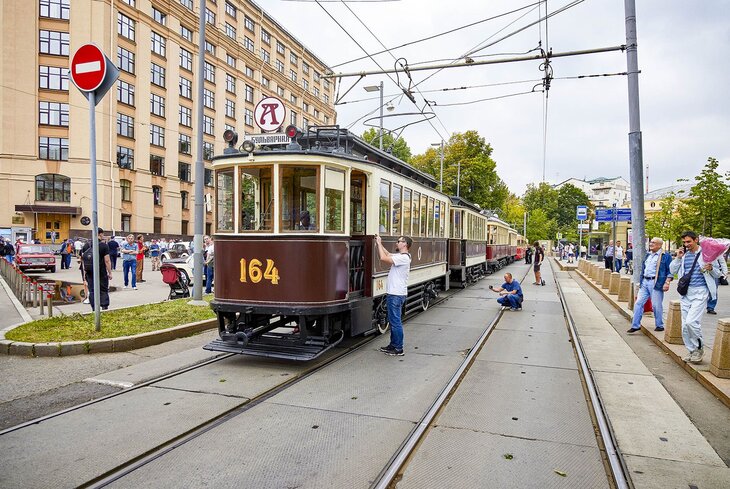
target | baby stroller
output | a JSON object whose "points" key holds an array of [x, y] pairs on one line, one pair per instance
{"points": [[172, 276]]}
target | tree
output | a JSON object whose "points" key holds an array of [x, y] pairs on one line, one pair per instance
{"points": [[667, 223], [707, 211], [569, 197], [540, 226], [543, 196], [398, 147]]}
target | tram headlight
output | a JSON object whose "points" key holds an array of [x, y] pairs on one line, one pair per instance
{"points": [[248, 146], [230, 137], [292, 132]]}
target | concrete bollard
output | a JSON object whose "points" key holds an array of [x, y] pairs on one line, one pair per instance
{"points": [[624, 287], [40, 298], [720, 363], [50, 305], [673, 325], [596, 271], [614, 279], [606, 278]]}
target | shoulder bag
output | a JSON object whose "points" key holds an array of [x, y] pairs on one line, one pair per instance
{"points": [[683, 284]]}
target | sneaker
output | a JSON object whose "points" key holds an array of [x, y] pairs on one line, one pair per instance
{"points": [[711, 311], [659, 328], [134, 288], [395, 353], [543, 282], [86, 301], [126, 287], [688, 357], [386, 349], [696, 356], [633, 330], [513, 309]]}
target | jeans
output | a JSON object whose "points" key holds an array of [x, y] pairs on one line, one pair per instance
{"points": [[693, 308], [608, 260], [647, 290], [127, 266], [618, 262], [395, 307], [511, 300], [113, 260], [713, 302], [103, 289], [209, 271]]}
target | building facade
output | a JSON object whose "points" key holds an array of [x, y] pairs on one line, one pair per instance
{"points": [[603, 192], [145, 125]]}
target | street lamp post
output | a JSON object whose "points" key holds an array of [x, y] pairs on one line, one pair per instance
{"points": [[441, 178], [378, 88]]}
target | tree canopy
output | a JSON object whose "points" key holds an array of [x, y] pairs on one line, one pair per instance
{"points": [[398, 147]]}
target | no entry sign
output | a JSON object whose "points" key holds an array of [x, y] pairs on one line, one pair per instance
{"points": [[88, 68]]}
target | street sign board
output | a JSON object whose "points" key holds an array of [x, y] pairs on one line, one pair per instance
{"points": [[581, 212], [607, 215], [269, 114], [559, 236], [584, 225], [88, 67], [269, 138]]}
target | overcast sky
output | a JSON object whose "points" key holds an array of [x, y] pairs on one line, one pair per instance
{"points": [[683, 46]]}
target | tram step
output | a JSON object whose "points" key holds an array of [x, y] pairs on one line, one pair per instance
{"points": [[273, 349]]}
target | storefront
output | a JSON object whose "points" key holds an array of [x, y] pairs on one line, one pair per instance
{"points": [[50, 224]]}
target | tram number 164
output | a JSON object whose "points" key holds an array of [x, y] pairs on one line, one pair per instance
{"points": [[251, 271]]}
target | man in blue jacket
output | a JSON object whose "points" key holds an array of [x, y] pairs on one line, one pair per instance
{"points": [[655, 279]]}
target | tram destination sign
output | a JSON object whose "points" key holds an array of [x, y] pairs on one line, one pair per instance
{"points": [[269, 138]]}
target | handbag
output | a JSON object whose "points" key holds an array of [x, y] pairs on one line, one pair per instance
{"points": [[723, 281], [683, 284]]}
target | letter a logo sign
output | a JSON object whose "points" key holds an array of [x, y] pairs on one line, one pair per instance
{"points": [[269, 114]]}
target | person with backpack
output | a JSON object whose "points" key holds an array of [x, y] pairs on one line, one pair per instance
{"points": [[105, 270], [9, 251]]}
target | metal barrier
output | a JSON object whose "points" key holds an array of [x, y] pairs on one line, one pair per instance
{"points": [[25, 288]]}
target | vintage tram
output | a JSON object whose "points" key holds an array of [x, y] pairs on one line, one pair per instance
{"points": [[467, 243]]}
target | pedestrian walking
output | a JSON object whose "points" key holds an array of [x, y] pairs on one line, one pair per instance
{"points": [[78, 246], [141, 248], [618, 257], [129, 261], [510, 293], [9, 250], [397, 289], [722, 265], [528, 255], [105, 270], [209, 264], [608, 255], [539, 257], [155, 255], [64, 253], [701, 276], [113, 251], [655, 280]]}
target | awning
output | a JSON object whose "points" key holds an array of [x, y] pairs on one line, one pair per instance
{"points": [[49, 209]]}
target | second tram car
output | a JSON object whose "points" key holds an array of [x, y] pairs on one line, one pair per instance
{"points": [[467, 243]]}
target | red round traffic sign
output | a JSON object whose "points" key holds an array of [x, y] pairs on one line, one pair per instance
{"points": [[88, 67]]}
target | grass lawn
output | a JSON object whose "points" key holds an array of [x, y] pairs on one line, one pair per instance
{"points": [[114, 323]]}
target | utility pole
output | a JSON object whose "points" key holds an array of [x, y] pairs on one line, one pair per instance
{"points": [[635, 148], [199, 172], [441, 178], [381, 115]]}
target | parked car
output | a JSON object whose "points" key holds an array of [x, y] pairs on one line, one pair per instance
{"points": [[177, 250], [35, 256], [185, 265]]}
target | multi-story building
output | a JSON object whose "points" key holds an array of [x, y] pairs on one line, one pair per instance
{"points": [[146, 123], [602, 192]]}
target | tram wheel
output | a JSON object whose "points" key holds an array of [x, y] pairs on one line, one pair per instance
{"points": [[429, 293], [381, 317]]}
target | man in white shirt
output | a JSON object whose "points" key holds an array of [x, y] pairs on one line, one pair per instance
{"points": [[397, 289], [618, 257]]}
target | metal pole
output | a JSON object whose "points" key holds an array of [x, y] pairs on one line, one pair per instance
{"points": [[458, 179], [636, 166], [580, 238], [94, 211], [199, 169], [381, 115], [524, 224], [441, 180], [613, 262]]}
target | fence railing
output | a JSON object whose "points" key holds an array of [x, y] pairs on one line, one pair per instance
{"points": [[28, 291]]}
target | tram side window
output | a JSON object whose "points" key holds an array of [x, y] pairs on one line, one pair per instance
{"points": [[437, 219], [407, 211], [299, 198], [334, 196], [257, 199], [396, 210], [431, 227], [415, 206], [384, 211], [424, 220], [224, 200], [456, 223]]}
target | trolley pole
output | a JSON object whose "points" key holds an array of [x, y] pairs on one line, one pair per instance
{"points": [[635, 148], [199, 173]]}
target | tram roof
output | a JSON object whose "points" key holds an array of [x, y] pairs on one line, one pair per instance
{"points": [[461, 202], [341, 143]]}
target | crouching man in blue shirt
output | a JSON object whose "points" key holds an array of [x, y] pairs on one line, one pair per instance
{"points": [[511, 293]]}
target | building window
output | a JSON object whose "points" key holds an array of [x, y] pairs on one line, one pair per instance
{"points": [[248, 23], [265, 82], [248, 43], [185, 202], [280, 47], [125, 60], [186, 88], [54, 42], [326, 119], [51, 187], [265, 36], [230, 83], [184, 227], [316, 76], [326, 84], [188, 4], [305, 85], [55, 9], [125, 125], [280, 91], [157, 135], [53, 148], [125, 26], [231, 10], [293, 75], [53, 113], [293, 98], [208, 98], [157, 165], [208, 125], [186, 33], [248, 117], [326, 98], [209, 72], [157, 225], [127, 222], [210, 48], [305, 107], [293, 118], [207, 150], [125, 158], [249, 93], [265, 56], [305, 68], [210, 16], [158, 75], [316, 92], [316, 113], [230, 31], [125, 93], [208, 177], [159, 17], [230, 61], [186, 59], [249, 72], [186, 116], [52, 78], [159, 44], [183, 171], [185, 144], [293, 59], [131, 3], [305, 123], [126, 187], [230, 109], [157, 105], [279, 66], [157, 194]]}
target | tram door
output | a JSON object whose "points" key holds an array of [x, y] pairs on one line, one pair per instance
{"points": [[358, 181], [359, 263]]}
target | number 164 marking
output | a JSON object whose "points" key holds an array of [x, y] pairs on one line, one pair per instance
{"points": [[253, 272]]}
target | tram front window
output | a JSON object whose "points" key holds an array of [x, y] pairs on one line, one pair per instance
{"points": [[257, 199], [299, 198], [224, 200]]}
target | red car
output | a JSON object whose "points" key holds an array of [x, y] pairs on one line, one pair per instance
{"points": [[35, 256]]}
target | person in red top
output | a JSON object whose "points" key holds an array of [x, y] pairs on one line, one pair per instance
{"points": [[140, 257]]}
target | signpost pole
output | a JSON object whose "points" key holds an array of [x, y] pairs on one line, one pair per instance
{"points": [[199, 223], [94, 211], [614, 219]]}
